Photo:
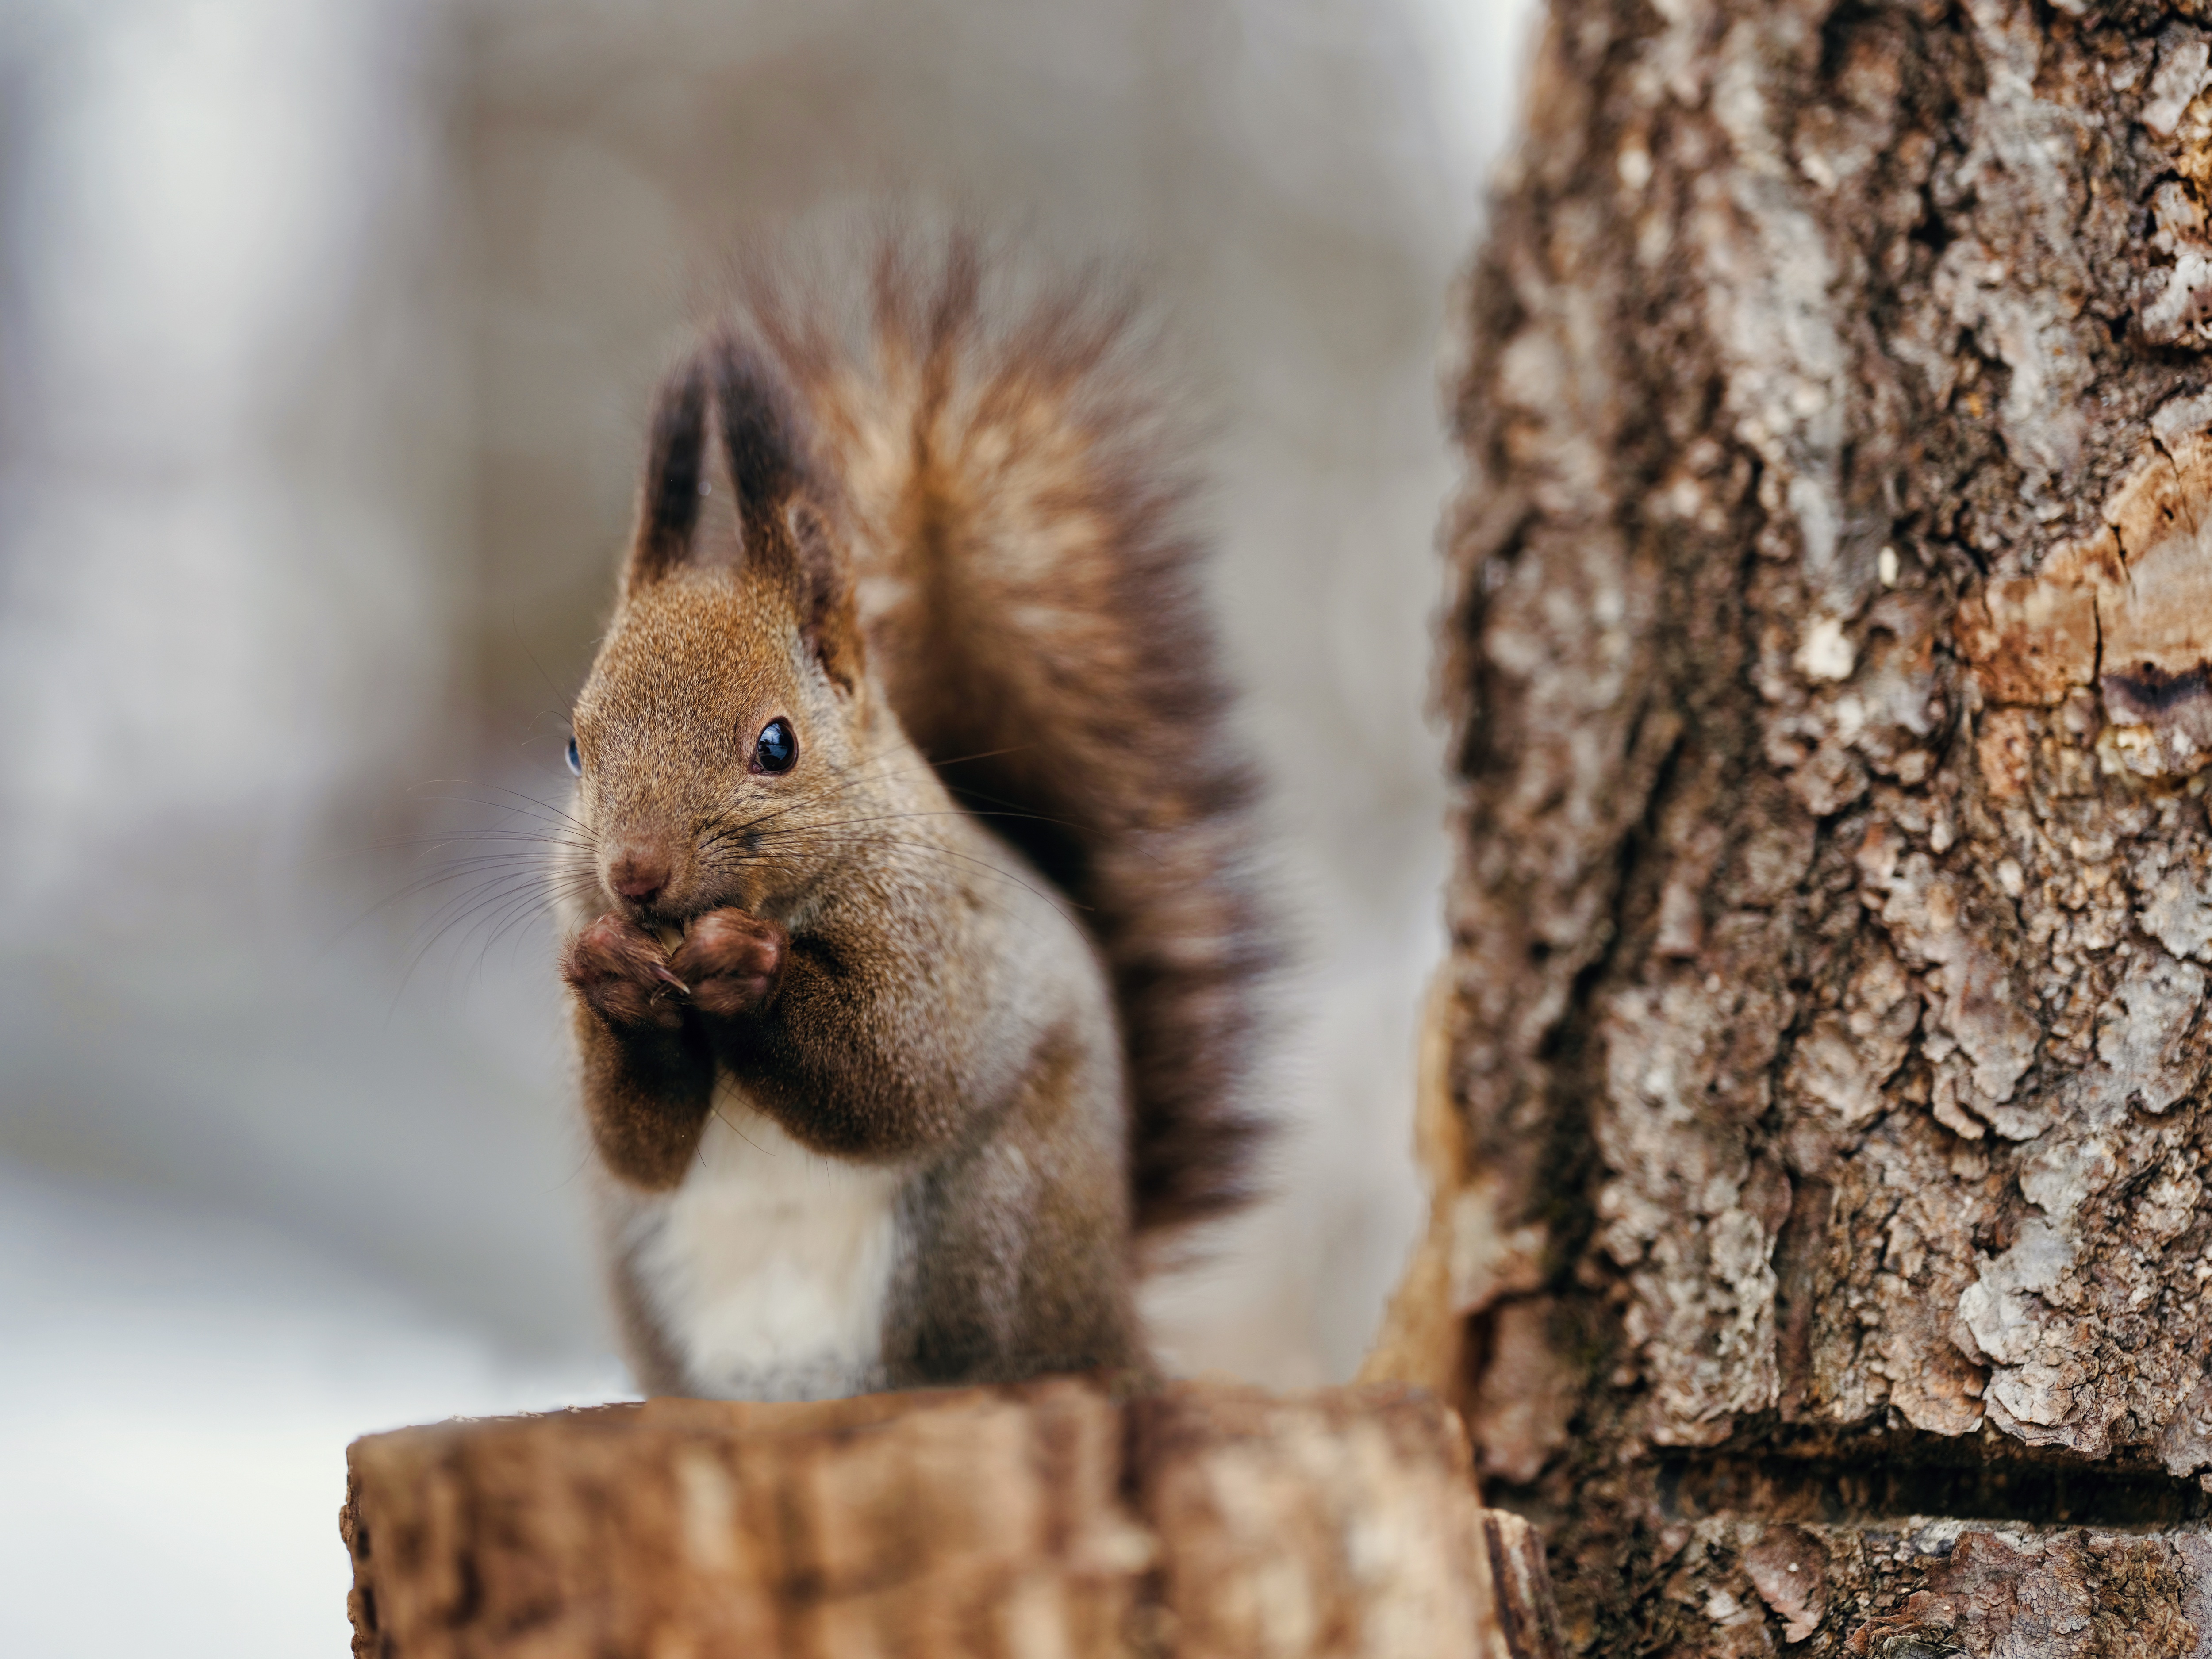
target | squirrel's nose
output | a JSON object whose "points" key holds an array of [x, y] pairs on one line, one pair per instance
{"points": [[639, 870]]}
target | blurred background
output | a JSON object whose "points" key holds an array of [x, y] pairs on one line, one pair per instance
{"points": [[324, 337]]}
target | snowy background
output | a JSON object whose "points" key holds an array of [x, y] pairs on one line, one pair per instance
{"points": [[324, 336]]}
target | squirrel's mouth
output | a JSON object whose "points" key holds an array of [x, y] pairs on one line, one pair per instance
{"points": [[669, 919], [665, 923]]}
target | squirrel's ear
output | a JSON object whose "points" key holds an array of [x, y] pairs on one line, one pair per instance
{"points": [[760, 441], [724, 423], [829, 609], [781, 534], [668, 513]]}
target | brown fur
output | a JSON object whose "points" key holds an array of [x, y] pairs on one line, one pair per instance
{"points": [[949, 539], [1032, 599]]}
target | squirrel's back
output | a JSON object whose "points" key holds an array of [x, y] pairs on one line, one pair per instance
{"points": [[1031, 601]]}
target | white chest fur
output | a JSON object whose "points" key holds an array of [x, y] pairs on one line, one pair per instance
{"points": [[769, 1267]]}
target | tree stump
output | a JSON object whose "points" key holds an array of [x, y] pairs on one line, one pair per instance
{"points": [[1202, 1522], [1817, 1100]]}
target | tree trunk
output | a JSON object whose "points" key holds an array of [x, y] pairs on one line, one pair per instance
{"points": [[1817, 1101]]}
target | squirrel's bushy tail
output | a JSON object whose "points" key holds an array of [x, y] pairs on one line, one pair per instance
{"points": [[1031, 599]]}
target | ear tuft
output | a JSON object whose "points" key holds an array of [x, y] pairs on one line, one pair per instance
{"points": [[668, 512], [725, 390], [760, 435]]}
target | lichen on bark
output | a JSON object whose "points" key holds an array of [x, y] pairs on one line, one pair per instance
{"points": [[1822, 1064]]}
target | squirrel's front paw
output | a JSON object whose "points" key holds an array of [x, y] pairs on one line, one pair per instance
{"points": [[621, 971], [730, 961]]}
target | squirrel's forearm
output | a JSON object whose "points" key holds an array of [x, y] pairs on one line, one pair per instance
{"points": [[646, 1095], [850, 1058]]}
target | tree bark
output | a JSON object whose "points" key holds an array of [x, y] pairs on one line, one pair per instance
{"points": [[1203, 1522], [1817, 1104]]}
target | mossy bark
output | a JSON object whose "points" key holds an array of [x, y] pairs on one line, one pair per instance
{"points": [[1818, 1102]]}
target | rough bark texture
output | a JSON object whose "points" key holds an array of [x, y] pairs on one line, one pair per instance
{"points": [[1205, 1523], [1818, 1102]]}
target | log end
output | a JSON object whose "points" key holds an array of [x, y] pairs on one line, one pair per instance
{"points": [[1048, 1517]]}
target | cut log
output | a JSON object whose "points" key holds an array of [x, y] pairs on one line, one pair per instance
{"points": [[1205, 1522]]}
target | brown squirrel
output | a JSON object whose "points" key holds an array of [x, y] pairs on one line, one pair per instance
{"points": [[911, 932]]}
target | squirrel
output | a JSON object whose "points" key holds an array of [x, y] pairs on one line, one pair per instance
{"points": [[910, 926]]}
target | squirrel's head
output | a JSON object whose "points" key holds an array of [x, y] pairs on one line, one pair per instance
{"points": [[725, 705]]}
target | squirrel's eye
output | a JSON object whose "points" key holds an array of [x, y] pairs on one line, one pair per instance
{"points": [[575, 758], [776, 748]]}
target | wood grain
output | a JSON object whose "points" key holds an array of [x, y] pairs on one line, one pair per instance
{"points": [[1208, 1522]]}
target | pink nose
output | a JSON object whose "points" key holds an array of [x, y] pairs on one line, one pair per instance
{"points": [[639, 872]]}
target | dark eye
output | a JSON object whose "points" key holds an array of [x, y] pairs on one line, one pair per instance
{"points": [[776, 748], [575, 758]]}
